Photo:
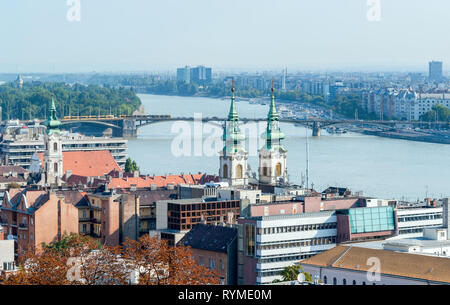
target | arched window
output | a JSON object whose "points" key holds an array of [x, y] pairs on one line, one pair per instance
{"points": [[278, 170], [225, 171], [325, 280], [55, 147], [264, 171], [334, 281], [354, 282], [344, 282], [239, 171], [55, 167]]}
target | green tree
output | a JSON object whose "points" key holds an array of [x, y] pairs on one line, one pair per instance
{"points": [[437, 112], [131, 166], [291, 273]]}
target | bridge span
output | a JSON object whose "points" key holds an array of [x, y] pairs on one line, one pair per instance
{"points": [[127, 125]]}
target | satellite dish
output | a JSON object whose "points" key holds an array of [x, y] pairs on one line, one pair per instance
{"points": [[301, 277]]}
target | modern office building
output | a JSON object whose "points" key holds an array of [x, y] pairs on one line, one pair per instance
{"points": [[268, 244], [184, 74], [365, 223], [412, 221], [435, 70]]}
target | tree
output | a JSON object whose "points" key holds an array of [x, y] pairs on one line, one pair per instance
{"points": [[131, 166], [81, 260], [291, 273], [13, 185], [438, 112], [158, 263]]}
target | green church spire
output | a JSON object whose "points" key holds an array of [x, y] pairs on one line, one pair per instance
{"points": [[273, 115], [273, 134], [232, 135], [52, 122], [233, 115]]}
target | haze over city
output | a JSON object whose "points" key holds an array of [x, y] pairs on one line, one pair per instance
{"points": [[233, 35]]}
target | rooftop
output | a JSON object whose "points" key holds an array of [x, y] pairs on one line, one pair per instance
{"points": [[414, 266], [95, 163], [211, 238]]}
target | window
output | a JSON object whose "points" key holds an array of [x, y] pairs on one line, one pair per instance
{"points": [[55, 147], [354, 282], [225, 171], [344, 282], [239, 171], [325, 280], [55, 167], [278, 170], [211, 263], [250, 239], [334, 281]]}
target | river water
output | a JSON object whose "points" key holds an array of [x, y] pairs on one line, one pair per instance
{"points": [[382, 167]]}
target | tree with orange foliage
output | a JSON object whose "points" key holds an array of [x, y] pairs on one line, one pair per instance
{"points": [[80, 260], [158, 263]]}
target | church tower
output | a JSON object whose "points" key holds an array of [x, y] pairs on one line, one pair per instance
{"points": [[272, 157], [233, 157], [53, 157]]}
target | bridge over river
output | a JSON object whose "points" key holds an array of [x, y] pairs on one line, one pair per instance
{"points": [[128, 125]]}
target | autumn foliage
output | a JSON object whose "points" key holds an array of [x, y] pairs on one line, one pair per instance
{"points": [[79, 260]]}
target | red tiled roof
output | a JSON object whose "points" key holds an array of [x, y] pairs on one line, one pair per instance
{"points": [[94, 163], [159, 181]]}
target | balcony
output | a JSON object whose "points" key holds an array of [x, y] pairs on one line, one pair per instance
{"points": [[95, 220], [23, 226]]}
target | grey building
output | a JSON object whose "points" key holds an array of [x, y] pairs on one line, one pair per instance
{"points": [[435, 70]]}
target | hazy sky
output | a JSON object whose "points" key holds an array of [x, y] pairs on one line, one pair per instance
{"points": [[150, 35]]}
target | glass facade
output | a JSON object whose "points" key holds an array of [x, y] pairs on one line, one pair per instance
{"points": [[365, 220]]}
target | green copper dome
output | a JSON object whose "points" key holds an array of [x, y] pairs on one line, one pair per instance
{"points": [[52, 122], [273, 134], [232, 135]]}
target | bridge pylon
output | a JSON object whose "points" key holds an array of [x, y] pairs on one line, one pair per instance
{"points": [[316, 129]]}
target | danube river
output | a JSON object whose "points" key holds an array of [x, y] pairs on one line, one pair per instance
{"points": [[382, 167]]}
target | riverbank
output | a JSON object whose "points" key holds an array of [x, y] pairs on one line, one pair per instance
{"points": [[410, 136]]}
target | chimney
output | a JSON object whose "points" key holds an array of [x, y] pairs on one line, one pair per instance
{"points": [[68, 173], [136, 174], [153, 187]]}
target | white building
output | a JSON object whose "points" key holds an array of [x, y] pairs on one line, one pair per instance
{"points": [[7, 255], [271, 243], [412, 221], [347, 265]]}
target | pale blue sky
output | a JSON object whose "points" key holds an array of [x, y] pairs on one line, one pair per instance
{"points": [[150, 35]]}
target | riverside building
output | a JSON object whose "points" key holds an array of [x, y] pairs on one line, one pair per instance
{"points": [[20, 142]]}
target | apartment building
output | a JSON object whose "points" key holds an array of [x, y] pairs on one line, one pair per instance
{"points": [[20, 149]]}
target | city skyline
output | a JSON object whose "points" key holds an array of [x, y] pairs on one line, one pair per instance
{"points": [[136, 36]]}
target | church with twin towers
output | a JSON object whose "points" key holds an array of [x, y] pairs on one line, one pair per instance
{"points": [[234, 168]]}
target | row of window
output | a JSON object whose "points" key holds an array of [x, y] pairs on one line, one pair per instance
{"points": [[344, 281], [203, 206], [300, 228], [300, 243], [284, 258], [419, 217]]}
